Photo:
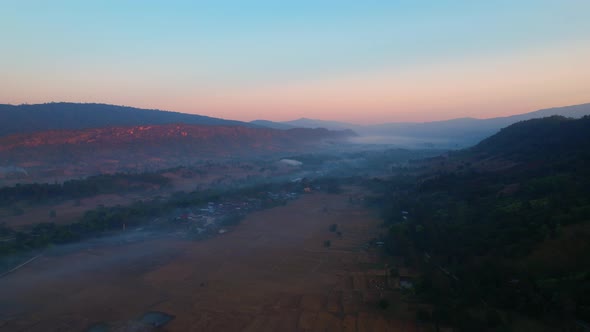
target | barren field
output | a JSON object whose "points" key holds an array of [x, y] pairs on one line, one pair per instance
{"points": [[270, 273]]}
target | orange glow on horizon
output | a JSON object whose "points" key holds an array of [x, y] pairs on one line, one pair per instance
{"points": [[482, 88]]}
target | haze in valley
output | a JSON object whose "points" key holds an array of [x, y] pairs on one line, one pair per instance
{"points": [[294, 166]]}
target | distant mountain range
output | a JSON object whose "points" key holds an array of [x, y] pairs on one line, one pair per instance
{"points": [[277, 125], [314, 123], [455, 133], [65, 140], [21, 119]]}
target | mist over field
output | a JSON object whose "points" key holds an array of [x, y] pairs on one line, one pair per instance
{"points": [[380, 223], [294, 166]]}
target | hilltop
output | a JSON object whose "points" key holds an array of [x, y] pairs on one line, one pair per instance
{"points": [[21, 119], [539, 139]]}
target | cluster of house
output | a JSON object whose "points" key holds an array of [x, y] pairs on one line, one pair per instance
{"points": [[213, 218], [405, 215]]}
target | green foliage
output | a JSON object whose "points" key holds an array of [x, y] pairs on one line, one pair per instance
{"points": [[76, 189], [393, 272], [383, 304], [538, 139], [108, 220], [17, 211], [478, 234], [423, 315]]}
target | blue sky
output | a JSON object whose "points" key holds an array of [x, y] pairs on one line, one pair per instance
{"points": [[218, 57]]}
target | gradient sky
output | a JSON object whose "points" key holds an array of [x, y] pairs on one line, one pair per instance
{"points": [[358, 61]]}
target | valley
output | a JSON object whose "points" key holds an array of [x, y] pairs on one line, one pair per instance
{"points": [[296, 230], [295, 166], [271, 272]]}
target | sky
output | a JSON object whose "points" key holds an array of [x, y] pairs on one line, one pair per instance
{"points": [[364, 61]]}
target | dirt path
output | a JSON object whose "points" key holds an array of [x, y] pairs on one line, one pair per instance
{"points": [[270, 273]]}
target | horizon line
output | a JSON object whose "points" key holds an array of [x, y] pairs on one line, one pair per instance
{"points": [[296, 119]]}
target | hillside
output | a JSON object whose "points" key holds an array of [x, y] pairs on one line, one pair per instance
{"points": [[41, 117], [499, 242], [223, 139], [273, 125], [539, 139], [120, 149]]}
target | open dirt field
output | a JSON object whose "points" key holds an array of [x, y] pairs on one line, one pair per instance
{"points": [[270, 273]]}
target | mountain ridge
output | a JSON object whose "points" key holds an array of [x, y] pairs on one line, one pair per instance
{"points": [[452, 133], [543, 138], [25, 118], [506, 219]]}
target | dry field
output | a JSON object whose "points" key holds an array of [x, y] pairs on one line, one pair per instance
{"points": [[270, 273], [69, 211]]}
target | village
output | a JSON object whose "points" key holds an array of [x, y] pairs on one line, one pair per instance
{"points": [[218, 216]]}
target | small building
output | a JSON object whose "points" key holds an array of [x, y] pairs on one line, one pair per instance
{"points": [[407, 278], [406, 283], [291, 162]]}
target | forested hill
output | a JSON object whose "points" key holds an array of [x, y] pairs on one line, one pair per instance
{"points": [[23, 119], [535, 139], [496, 245]]}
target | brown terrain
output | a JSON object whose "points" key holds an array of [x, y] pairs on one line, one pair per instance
{"points": [[207, 137], [64, 154], [270, 273]]}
